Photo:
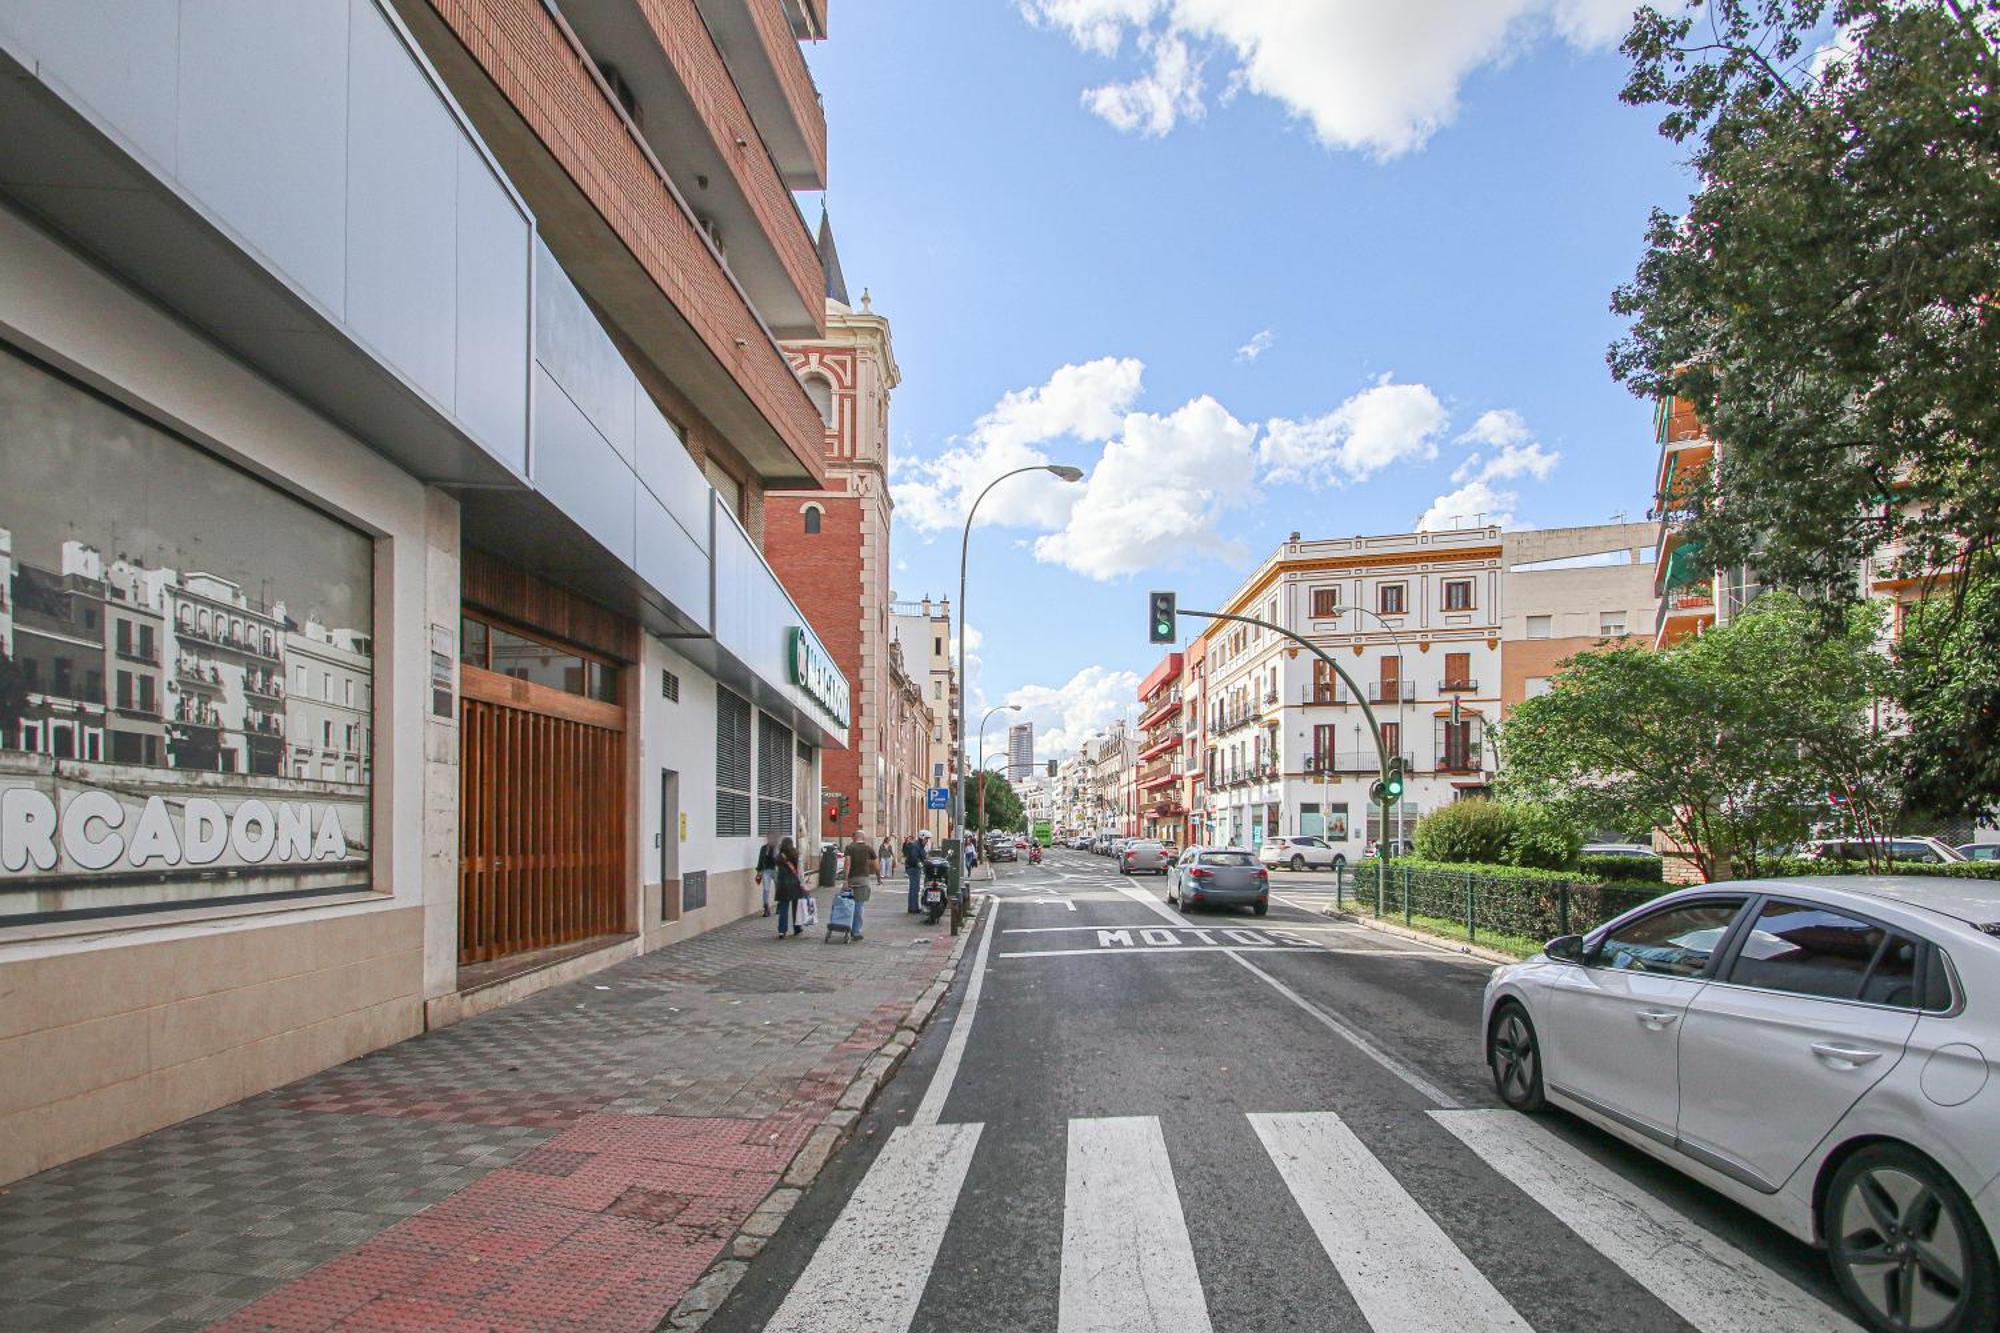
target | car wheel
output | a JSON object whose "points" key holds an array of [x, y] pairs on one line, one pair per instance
{"points": [[1337, 864], [1298, 863], [1906, 1247], [1261, 908], [1515, 1057]]}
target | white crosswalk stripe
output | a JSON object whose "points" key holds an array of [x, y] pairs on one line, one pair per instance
{"points": [[1127, 1265], [868, 1275], [1398, 1264], [1712, 1284]]}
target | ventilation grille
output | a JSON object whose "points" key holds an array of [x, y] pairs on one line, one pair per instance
{"points": [[670, 686], [694, 890]]}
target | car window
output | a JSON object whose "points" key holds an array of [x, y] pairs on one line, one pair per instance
{"points": [[1228, 859], [1909, 849], [1808, 950], [1674, 942]]}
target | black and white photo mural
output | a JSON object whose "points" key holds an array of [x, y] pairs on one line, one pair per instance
{"points": [[186, 670]]}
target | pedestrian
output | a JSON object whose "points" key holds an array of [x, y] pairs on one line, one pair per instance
{"points": [[913, 866], [882, 855], [860, 877], [767, 872], [790, 888]]}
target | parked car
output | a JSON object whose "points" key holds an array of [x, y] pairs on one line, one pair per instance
{"points": [[1818, 1050], [1638, 851], [1980, 851], [1300, 853], [1143, 854], [1900, 849], [1002, 849], [1397, 847], [1219, 877]]}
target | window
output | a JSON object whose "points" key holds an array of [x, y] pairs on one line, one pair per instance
{"points": [[1458, 594], [1392, 738], [1814, 951], [524, 658], [1389, 598], [812, 520], [124, 684], [1611, 624], [732, 765], [1458, 671], [299, 671], [347, 692], [1457, 749], [326, 686], [1538, 627], [125, 638], [326, 735], [820, 390], [774, 776], [1326, 603], [1676, 942], [1323, 747]]}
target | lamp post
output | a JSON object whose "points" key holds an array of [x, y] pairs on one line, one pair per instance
{"points": [[1402, 660], [996, 708], [956, 846]]}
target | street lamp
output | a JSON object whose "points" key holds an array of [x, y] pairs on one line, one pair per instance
{"points": [[996, 708], [957, 846]]}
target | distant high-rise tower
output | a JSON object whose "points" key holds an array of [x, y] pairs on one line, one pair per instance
{"points": [[1020, 751]]}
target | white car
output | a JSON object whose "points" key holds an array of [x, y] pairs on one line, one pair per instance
{"points": [[1823, 1051], [1900, 849], [1301, 853]]}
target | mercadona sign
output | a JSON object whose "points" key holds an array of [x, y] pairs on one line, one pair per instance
{"points": [[815, 673]]}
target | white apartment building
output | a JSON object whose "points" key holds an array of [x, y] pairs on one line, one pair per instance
{"points": [[924, 630]]}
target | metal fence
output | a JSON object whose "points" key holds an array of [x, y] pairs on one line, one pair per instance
{"points": [[1485, 905]]}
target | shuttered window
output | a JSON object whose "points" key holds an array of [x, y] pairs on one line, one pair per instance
{"points": [[774, 776], [732, 765]]}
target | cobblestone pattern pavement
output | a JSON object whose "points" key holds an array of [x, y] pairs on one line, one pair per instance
{"points": [[576, 1160]]}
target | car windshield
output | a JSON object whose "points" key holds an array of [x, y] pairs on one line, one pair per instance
{"points": [[1228, 859]]}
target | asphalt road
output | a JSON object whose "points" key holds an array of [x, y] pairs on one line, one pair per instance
{"points": [[1128, 1119]]}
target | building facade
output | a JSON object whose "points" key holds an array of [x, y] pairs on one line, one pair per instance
{"points": [[923, 628], [1161, 780], [910, 723], [1567, 591], [1020, 751], [397, 466]]}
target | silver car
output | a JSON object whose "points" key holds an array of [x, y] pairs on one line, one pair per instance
{"points": [[1147, 854], [1219, 877], [1824, 1051]]}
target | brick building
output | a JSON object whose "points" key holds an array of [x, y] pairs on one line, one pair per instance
{"points": [[830, 544]]}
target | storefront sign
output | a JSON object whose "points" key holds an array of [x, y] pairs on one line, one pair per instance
{"points": [[815, 673]]}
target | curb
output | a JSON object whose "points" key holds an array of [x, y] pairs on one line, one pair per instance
{"points": [[1438, 942], [706, 1296]]}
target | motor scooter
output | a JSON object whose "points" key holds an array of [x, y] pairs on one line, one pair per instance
{"points": [[937, 878], [1035, 855]]}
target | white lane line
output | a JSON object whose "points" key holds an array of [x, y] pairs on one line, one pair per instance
{"points": [[1142, 896], [869, 1272], [1400, 1267], [954, 1048], [1148, 950], [1701, 1277], [1127, 1265], [1360, 1040], [1064, 901]]}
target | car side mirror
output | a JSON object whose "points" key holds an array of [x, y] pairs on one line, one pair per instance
{"points": [[1565, 949]]}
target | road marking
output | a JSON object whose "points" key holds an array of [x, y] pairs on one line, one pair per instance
{"points": [[1127, 1265], [1398, 1264], [1703, 1278], [1064, 901], [1360, 1040], [869, 1272], [954, 1049], [1141, 896], [1149, 951]]}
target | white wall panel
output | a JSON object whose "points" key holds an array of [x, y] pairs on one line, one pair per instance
{"points": [[123, 71], [575, 468], [671, 559], [573, 347], [492, 307]]}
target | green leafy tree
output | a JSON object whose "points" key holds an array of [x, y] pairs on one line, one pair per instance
{"points": [[1949, 687], [1003, 803], [1827, 301], [1733, 741]]}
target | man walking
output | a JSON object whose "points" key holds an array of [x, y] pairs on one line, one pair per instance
{"points": [[860, 878], [913, 866]]}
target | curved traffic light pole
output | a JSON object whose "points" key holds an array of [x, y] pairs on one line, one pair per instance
{"points": [[1383, 793]]}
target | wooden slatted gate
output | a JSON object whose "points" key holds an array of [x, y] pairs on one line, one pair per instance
{"points": [[541, 818]]}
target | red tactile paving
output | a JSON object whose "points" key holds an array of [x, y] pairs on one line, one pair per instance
{"points": [[647, 1205]]}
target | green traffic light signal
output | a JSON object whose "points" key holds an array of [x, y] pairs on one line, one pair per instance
{"points": [[1161, 628], [1394, 787]]}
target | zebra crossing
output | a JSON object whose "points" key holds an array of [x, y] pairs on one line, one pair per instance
{"points": [[1128, 1264]]}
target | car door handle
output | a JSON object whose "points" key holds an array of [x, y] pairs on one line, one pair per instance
{"points": [[1844, 1057], [1656, 1019]]}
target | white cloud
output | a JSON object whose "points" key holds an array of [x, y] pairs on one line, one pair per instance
{"points": [[1370, 75], [1086, 402], [1478, 500], [1066, 715], [1158, 493], [1260, 343], [1383, 424]]}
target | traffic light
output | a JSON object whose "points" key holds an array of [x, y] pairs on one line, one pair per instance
{"points": [[1393, 789], [1161, 627]]}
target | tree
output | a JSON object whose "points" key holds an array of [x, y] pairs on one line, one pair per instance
{"points": [[1826, 303], [1733, 741], [1003, 803], [1949, 687]]}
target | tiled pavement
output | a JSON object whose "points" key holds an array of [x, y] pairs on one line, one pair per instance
{"points": [[574, 1161]]}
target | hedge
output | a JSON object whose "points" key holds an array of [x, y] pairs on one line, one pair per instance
{"points": [[1528, 904], [1645, 869], [1790, 867]]}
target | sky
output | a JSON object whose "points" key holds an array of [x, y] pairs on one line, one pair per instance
{"points": [[1255, 266]]}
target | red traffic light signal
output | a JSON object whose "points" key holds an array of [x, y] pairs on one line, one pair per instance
{"points": [[833, 811]]}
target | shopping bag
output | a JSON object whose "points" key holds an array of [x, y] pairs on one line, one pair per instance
{"points": [[808, 911], [841, 915]]}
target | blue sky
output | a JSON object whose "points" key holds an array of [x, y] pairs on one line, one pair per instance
{"points": [[1080, 215]]}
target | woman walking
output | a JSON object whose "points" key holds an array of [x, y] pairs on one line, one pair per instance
{"points": [[791, 888], [767, 873], [882, 855]]}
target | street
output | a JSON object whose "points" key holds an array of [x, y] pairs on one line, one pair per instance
{"points": [[1133, 1120]]}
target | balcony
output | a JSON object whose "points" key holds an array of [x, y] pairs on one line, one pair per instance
{"points": [[1333, 695], [1366, 762], [1392, 691], [1459, 685], [1163, 745], [1158, 708], [760, 44]]}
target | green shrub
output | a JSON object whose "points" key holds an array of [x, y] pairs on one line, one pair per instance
{"points": [[1521, 902], [1465, 832], [1782, 867], [1541, 838], [1649, 869]]}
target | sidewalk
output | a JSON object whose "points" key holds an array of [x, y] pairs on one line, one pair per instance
{"points": [[575, 1161]]}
